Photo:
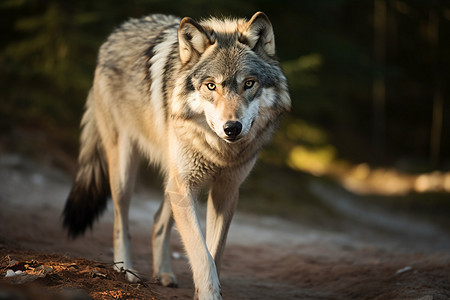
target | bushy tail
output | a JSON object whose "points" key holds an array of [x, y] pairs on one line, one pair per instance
{"points": [[91, 190]]}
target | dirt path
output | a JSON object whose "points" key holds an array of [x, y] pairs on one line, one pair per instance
{"points": [[373, 255]]}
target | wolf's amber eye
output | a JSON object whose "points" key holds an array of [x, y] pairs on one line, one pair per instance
{"points": [[249, 84], [211, 86]]}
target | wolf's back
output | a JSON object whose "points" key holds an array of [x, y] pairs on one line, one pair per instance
{"points": [[90, 192], [123, 62]]}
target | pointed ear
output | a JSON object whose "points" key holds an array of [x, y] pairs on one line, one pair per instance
{"points": [[193, 40], [258, 34]]}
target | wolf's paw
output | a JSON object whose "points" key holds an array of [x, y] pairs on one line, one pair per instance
{"points": [[167, 279], [210, 295], [132, 276]]}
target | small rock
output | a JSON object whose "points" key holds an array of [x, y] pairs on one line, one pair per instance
{"points": [[10, 273], [403, 270]]}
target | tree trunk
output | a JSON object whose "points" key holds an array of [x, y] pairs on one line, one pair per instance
{"points": [[379, 81], [438, 101]]}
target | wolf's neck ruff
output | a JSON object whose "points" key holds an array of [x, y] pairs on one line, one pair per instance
{"points": [[199, 100]]}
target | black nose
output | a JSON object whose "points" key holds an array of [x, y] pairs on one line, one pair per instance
{"points": [[232, 128]]}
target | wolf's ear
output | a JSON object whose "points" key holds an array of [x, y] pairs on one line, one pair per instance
{"points": [[193, 40], [258, 34]]}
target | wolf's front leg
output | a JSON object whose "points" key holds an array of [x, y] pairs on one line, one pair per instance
{"points": [[222, 201], [183, 204]]}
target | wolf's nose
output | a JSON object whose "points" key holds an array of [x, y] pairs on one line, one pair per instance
{"points": [[232, 128]]}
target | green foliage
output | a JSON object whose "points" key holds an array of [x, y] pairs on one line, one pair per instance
{"points": [[46, 64], [49, 48]]}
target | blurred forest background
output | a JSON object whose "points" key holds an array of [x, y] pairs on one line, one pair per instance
{"points": [[369, 83]]}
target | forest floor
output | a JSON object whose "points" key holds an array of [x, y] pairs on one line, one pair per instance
{"points": [[365, 254]]}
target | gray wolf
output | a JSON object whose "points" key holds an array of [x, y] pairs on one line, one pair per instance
{"points": [[197, 99]]}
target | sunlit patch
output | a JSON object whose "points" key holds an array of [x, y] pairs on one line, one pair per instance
{"points": [[314, 160]]}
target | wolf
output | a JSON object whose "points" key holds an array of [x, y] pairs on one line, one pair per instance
{"points": [[198, 100]]}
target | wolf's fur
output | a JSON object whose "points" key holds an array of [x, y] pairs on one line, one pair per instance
{"points": [[197, 99]]}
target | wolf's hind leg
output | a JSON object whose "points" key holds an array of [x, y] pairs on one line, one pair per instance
{"points": [[162, 226], [123, 162]]}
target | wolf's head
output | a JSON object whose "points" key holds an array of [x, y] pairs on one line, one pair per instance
{"points": [[232, 75]]}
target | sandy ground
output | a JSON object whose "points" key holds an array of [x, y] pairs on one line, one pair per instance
{"points": [[370, 254]]}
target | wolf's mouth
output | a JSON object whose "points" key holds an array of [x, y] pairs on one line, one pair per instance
{"points": [[232, 140]]}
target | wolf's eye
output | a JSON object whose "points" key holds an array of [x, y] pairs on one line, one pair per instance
{"points": [[249, 84], [211, 86]]}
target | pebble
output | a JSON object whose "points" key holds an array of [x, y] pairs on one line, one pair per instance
{"points": [[403, 270], [11, 273]]}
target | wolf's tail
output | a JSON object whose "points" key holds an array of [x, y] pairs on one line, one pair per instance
{"points": [[90, 192]]}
